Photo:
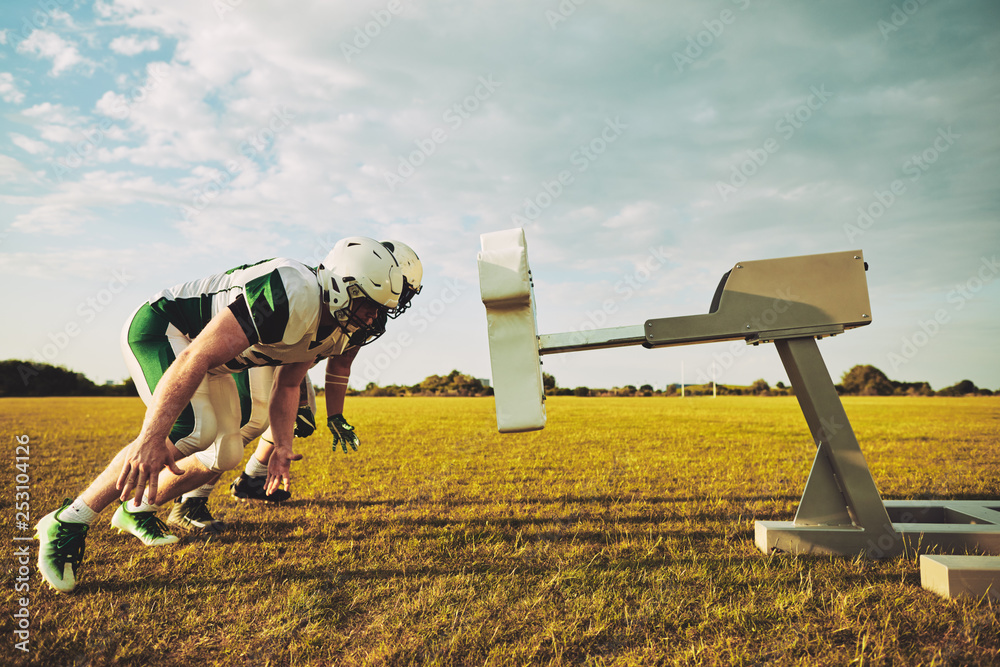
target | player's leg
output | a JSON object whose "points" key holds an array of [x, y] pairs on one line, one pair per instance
{"points": [[190, 510], [148, 347], [251, 482], [195, 431], [250, 413], [244, 486]]}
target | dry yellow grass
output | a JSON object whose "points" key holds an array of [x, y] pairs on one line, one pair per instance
{"points": [[619, 535]]}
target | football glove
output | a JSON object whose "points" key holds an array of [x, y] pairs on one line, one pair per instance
{"points": [[305, 422], [343, 433]]}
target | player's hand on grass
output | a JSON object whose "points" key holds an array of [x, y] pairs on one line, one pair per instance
{"points": [[141, 469], [343, 433], [305, 422], [279, 469]]}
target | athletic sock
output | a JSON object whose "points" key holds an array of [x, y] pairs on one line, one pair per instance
{"points": [[146, 506], [77, 512], [201, 492], [255, 468]]}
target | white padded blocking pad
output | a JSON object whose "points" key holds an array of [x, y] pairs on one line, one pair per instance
{"points": [[505, 286]]}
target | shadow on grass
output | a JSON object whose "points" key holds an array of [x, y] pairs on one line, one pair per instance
{"points": [[725, 514], [603, 499], [501, 569]]}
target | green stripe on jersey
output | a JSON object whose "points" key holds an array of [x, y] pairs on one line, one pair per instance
{"points": [[243, 389], [148, 341], [268, 304], [247, 266], [190, 314]]}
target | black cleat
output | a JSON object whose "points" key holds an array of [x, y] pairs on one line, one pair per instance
{"points": [[252, 488], [193, 514]]}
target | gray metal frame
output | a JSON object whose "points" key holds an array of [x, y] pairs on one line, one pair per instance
{"points": [[792, 302]]}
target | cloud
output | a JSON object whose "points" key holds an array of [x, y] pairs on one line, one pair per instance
{"points": [[55, 123], [49, 112], [55, 219], [199, 132], [13, 171], [46, 44], [30, 145], [84, 263], [8, 89], [131, 45], [67, 209]]}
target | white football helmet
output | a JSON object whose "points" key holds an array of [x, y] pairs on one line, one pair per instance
{"points": [[360, 268], [413, 274]]}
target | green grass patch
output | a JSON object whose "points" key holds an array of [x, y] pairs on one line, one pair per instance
{"points": [[622, 534]]}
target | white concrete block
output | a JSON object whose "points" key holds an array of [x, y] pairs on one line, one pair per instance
{"points": [[954, 576]]}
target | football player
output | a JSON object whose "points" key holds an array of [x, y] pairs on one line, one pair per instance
{"points": [[191, 511], [182, 347]]}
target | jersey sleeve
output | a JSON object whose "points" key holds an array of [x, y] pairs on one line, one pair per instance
{"points": [[284, 304]]}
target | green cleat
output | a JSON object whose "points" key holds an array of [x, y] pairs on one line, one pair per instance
{"points": [[144, 525], [60, 549], [193, 514]]}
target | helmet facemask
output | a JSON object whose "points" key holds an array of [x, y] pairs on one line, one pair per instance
{"points": [[413, 273], [404, 300], [361, 332], [370, 275]]}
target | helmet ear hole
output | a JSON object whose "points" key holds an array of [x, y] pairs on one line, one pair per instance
{"points": [[334, 293]]}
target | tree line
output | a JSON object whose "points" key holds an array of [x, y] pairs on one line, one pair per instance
{"points": [[454, 383], [861, 380], [25, 378]]}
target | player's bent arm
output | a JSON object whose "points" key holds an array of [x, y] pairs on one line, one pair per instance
{"points": [[284, 403], [283, 406], [338, 372], [337, 375], [221, 340]]}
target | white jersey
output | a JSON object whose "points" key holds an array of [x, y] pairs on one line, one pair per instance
{"points": [[284, 301]]}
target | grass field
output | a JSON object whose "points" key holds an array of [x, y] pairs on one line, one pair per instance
{"points": [[621, 534]]}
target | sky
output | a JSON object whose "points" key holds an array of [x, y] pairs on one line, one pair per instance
{"points": [[644, 147]]}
